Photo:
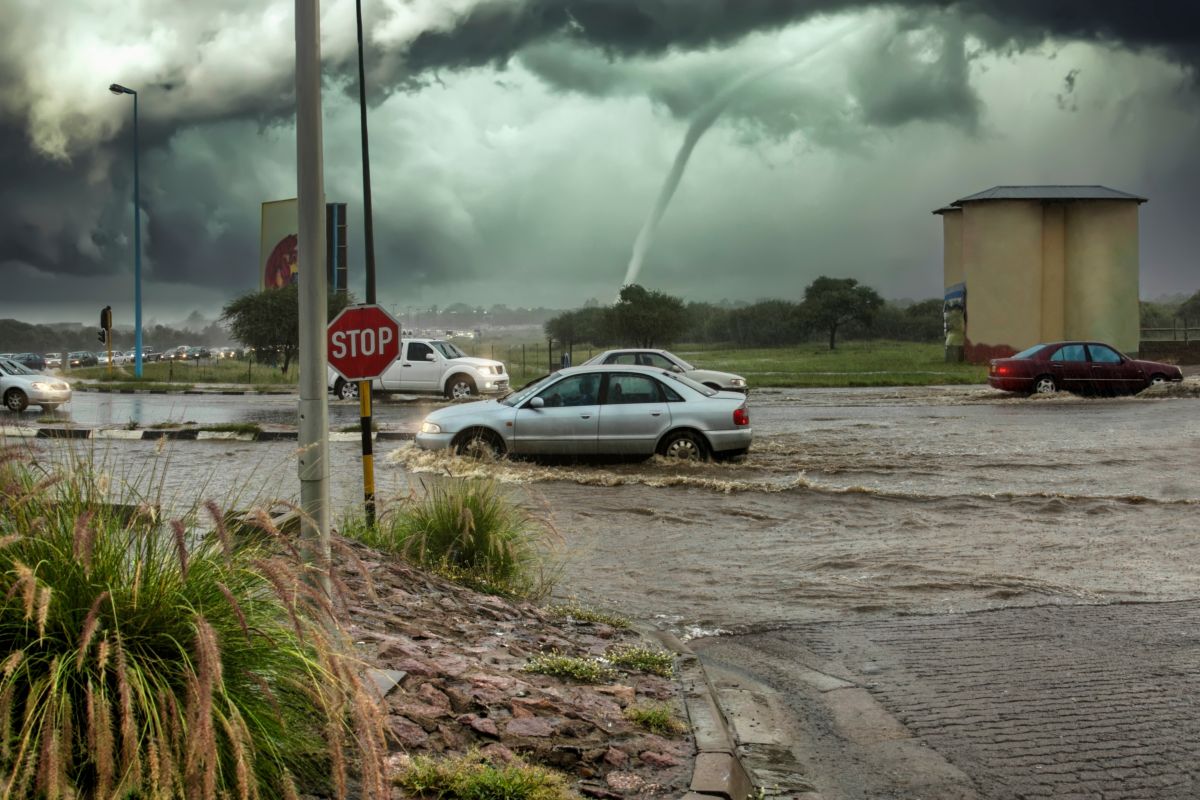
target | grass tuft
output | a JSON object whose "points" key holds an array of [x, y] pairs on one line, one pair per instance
{"points": [[573, 611], [656, 717], [584, 670], [643, 659], [471, 777], [469, 533], [143, 659]]}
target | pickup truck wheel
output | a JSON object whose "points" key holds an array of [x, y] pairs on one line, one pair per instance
{"points": [[15, 400], [346, 390], [460, 387]]}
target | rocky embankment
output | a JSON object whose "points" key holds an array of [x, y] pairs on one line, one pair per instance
{"points": [[450, 661]]}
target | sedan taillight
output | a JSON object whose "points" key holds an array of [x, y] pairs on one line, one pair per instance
{"points": [[741, 416]]}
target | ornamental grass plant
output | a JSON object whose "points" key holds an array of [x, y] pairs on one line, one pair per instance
{"points": [[150, 658], [468, 532]]}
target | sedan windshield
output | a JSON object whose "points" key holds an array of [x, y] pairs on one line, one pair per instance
{"points": [[10, 367], [448, 350], [1030, 352], [527, 391]]}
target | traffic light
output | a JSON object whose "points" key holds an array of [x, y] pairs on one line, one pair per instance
{"points": [[106, 318], [102, 335]]}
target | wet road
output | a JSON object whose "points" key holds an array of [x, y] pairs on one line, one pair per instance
{"points": [[915, 586]]}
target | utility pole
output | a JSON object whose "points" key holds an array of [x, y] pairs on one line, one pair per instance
{"points": [[364, 387], [310, 191]]}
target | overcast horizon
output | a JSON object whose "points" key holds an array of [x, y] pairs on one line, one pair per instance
{"points": [[518, 146]]}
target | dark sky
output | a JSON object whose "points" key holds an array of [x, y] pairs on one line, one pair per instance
{"points": [[519, 145]]}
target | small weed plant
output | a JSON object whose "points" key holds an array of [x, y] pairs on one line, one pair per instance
{"points": [[573, 611], [656, 718], [471, 777], [469, 533], [152, 660], [643, 659], [583, 670]]}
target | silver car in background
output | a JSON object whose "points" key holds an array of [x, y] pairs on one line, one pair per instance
{"points": [[599, 410], [21, 387], [714, 379]]}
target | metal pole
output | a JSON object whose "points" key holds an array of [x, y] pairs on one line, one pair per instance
{"points": [[364, 387], [310, 191], [137, 252]]}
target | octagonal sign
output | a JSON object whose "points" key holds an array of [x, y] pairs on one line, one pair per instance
{"points": [[363, 342]]}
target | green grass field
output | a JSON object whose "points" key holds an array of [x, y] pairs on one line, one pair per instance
{"points": [[859, 363], [192, 373]]}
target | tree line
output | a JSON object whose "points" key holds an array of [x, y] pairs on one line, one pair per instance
{"points": [[832, 309], [25, 337]]}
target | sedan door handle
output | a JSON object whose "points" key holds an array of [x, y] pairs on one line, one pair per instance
{"points": [[656, 413], [585, 416]]}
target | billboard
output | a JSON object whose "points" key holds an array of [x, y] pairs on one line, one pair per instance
{"points": [[278, 263]]}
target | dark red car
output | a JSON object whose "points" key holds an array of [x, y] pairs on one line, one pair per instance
{"points": [[1083, 367]]}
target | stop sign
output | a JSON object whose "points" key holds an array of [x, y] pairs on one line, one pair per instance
{"points": [[363, 342]]}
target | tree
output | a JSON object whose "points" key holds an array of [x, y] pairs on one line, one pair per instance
{"points": [[270, 319], [646, 318], [1189, 310], [832, 302]]}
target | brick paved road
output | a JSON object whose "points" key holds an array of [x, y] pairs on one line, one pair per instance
{"points": [[1057, 702]]}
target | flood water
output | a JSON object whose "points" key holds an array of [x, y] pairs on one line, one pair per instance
{"points": [[852, 503]]}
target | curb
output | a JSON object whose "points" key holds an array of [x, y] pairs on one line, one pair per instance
{"points": [[189, 434], [719, 771]]}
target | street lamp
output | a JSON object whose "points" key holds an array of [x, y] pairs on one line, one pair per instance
{"points": [[117, 88]]}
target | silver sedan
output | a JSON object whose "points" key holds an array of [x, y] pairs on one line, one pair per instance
{"points": [[714, 379], [599, 410]]}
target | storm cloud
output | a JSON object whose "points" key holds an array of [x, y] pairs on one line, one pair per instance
{"points": [[489, 116]]}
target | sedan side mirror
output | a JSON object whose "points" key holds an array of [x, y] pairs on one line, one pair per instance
{"points": [[537, 402]]}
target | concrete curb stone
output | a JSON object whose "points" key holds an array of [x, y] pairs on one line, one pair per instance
{"points": [[185, 434], [718, 771]]}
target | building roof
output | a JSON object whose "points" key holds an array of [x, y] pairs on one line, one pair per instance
{"points": [[1047, 193]]}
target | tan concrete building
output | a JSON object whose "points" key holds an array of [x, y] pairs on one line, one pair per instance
{"points": [[1041, 264]]}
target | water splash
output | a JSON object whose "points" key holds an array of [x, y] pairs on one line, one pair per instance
{"points": [[704, 120]]}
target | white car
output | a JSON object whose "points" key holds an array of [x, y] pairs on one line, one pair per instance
{"points": [[722, 381], [431, 366], [21, 387]]}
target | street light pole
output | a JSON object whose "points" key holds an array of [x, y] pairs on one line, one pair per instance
{"points": [[117, 88], [364, 387]]}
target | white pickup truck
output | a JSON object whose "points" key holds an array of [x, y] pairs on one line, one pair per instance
{"points": [[431, 366]]}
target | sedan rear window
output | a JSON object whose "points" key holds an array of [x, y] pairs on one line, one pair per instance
{"points": [[691, 384], [1030, 353]]}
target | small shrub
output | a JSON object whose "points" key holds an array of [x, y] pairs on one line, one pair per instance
{"points": [[146, 660], [584, 670], [469, 533], [573, 611], [656, 662], [656, 718], [470, 777]]}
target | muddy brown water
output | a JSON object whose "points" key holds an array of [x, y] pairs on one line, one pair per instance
{"points": [[853, 503]]}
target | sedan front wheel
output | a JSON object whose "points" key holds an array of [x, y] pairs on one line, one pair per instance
{"points": [[16, 400]]}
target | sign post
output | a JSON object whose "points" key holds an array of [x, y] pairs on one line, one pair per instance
{"points": [[363, 342]]}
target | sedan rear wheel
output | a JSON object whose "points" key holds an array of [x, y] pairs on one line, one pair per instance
{"points": [[684, 446], [15, 400], [1045, 385]]}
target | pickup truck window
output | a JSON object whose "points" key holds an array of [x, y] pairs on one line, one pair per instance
{"points": [[448, 350], [418, 350]]}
